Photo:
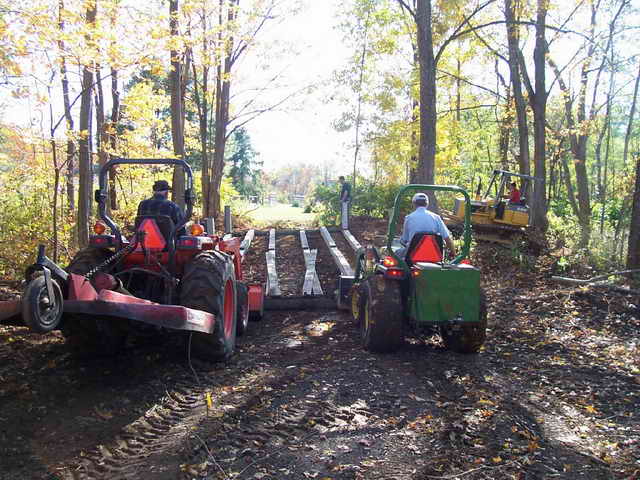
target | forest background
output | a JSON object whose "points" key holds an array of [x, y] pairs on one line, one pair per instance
{"points": [[421, 91]]}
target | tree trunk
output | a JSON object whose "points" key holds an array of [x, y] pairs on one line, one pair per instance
{"points": [[71, 146], [633, 253], [54, 208], [539, 105], [201, 92], [223, 92], [627, 135], [513, 38], [428, 115], [415, 120], [177, 109], [115, 118], [85, 163], [505, 124], [359, 110], [223, 88], [101, 126]]}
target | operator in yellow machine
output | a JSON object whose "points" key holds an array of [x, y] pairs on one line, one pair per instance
{"points": [[422, 220], [514, 194], [514, 199]]}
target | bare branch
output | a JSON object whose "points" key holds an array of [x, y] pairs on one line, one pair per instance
{"points": [[457, 33], [256, 113], [462, 79], [475, 107], [406, 7]]}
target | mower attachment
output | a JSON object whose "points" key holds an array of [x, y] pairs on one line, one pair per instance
{"points": [[83, 299], [10, 312]]}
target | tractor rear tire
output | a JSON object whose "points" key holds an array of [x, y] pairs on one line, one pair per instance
{"points": [[381, 315], [86, 259], [242, 294], [208, 284], [471, 336], [89, 335]]}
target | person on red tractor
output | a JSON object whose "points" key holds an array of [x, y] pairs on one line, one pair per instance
{"points": [[160, 204], [422, 220]]}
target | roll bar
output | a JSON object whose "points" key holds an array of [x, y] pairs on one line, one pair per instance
{"points": [[101, 193]]}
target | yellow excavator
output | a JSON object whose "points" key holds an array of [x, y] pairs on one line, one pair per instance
{"points": [[502, 212]]}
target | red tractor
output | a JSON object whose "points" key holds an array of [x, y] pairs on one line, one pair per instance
{"points": [[159, 279]]}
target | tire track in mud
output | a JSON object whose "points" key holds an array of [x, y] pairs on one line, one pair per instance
{"points": [[160, 429], [168, 427], [279, 417], [157, 428]]}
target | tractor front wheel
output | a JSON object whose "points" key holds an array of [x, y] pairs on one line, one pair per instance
{"points": [[209, 285], [39, 312], [380, 314], [468, 337]]}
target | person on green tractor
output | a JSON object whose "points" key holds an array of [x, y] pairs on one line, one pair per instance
{"points": [[422, 220]]}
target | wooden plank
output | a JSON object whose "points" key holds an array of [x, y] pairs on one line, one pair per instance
{"points": [[310, 263], [303, 240], [272, 239], [210, 226], [351, 240], [328, 239], [311, 281], [246, 243], [273, 287], [338, 257], [317, 288], [264, 233], [228, 225]]}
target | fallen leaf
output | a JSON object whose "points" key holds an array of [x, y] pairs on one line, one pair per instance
{"points": [[105, 415]]}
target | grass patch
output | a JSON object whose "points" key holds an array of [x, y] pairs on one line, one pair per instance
{"points": [[281, 215]]}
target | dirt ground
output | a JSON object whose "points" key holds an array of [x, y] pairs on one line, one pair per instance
{"points": [[555, 393]]}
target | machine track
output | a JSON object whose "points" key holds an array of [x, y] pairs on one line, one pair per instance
{"points": [[252, 411], [160, 427]]}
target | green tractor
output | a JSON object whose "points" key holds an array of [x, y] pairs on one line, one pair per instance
{"points": [[393, 295]]}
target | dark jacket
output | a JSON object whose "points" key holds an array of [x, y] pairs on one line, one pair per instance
{"points": [[158, 205], [345, 192]]}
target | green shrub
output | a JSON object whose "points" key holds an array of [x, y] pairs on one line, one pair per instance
{"points": [[367, 199]]}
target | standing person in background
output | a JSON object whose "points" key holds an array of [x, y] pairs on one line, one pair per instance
{"points": [[345, 200]]}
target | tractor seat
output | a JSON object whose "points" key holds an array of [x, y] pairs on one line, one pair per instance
{"points": [[158, 230], [424, 247]]}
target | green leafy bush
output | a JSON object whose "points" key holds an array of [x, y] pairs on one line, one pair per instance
{"points": [[367, 199]]}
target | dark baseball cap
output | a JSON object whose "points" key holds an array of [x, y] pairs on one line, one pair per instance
{"points": [[161, 186]]}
